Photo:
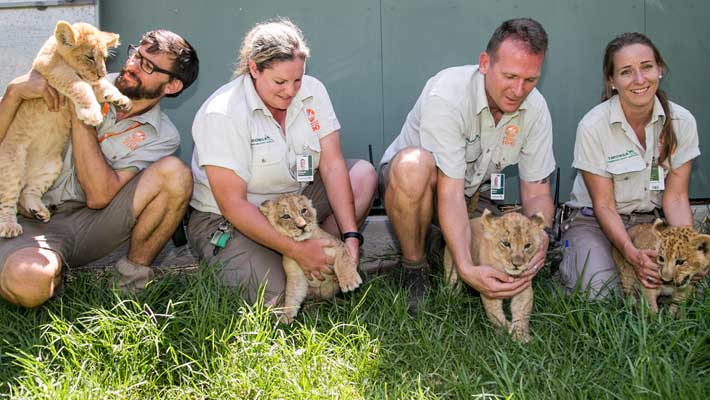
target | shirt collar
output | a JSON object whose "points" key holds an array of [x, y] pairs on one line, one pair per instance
{"points": [[617, 113]]}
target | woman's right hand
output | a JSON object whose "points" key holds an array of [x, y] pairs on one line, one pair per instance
{"points": [[646, 269], [310, 256]]}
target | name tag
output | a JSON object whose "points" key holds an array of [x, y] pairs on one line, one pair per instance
{"points": [[657, 182], [497, 186], [304, 168]]}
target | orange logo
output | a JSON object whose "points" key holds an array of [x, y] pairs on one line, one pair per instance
{"points": [[315, 125], [511, 131], [134, 140]]}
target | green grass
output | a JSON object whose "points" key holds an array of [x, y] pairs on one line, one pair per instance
{"points": [[188, 337]]}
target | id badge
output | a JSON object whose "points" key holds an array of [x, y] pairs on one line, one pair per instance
{"points": [[657, 181], [497, 186], [304, 168]]}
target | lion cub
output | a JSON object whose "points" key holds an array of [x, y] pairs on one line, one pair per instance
{"points": [[682, 253], [294, 216], [506, 243], [72, 61]]}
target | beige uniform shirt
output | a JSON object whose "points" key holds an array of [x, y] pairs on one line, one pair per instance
{"points": [[607, 146], [451, 119], [233, 129], [134, 142]]}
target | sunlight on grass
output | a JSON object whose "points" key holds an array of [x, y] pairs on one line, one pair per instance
{"points": [[188, 337]]}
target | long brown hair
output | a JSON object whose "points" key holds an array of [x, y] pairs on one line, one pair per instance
{"points": [[668, 137]]}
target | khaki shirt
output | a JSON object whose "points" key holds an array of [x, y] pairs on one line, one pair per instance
{"points": [[452, 120], [607, 146], [134, 142], [234, 129]]}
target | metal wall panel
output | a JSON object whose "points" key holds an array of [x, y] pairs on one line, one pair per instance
{"points": [[375, 56], [681, 31], [343, 37]]}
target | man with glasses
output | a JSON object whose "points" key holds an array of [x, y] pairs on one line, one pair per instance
{"points": [[119, 183]]}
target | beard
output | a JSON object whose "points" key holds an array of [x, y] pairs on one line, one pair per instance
{"points": [[137, 91]]}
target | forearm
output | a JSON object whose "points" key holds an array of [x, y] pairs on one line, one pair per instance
{"points": [[541, 203], [99, 181], [614, 229], [455, 225], [340, 195], [9, 104], [676, 209]]}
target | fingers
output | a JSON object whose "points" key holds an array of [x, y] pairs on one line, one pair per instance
{"points": [[52, 98]]}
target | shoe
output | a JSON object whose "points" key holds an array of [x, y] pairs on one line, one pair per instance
{"points": [[416, 279]]}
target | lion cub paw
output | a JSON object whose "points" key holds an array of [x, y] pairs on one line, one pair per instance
{"points": [[349, 281], [90, 116], [35, 208], [10, 229], [122, 102], [520, 334]]}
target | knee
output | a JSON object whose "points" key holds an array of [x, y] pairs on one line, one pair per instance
{"points": [[363, 179], [175, 176], [30, 276], [412, 170]]}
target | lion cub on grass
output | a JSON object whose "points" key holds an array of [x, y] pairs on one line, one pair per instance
{"points": [[72, 61], [682, 252], [294, 216], [506, 243]]}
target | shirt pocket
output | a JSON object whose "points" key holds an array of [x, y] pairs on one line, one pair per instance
{"points": [[473, 151], [312, 147], [269, 172], [627, 176]]}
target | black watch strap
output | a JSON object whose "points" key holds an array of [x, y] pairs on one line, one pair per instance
{"points": [[357, 235]]}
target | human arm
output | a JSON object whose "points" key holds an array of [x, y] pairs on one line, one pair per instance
{"points": [[98, 179], [29, 86], [230, 192], [676, 204], [455, 225], [339, 190], [601, 190], [536, 197]]}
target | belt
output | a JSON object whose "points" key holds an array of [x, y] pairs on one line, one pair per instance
{"points": [[658, 212]]}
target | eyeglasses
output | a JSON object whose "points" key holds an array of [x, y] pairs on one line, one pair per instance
{"points": [[147, 66]]}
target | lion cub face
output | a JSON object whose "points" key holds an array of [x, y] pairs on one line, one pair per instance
{"points": [[291, 215], [682, 253], [84, 48], [516, 239]]}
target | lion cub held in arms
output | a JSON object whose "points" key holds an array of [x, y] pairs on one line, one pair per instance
{"points": [[506, 243], [72, 61], [682, 252], [294, 216]]}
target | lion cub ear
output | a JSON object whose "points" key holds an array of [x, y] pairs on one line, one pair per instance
{"points": [[65, 35], [702, 244], [538, 220], [487, 218], [110, 39], [264, 207], [659, 226]]}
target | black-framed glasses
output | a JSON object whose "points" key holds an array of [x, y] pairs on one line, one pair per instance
{"points": [[147, 66]]}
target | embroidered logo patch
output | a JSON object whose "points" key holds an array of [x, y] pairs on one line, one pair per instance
{"points": [[315, 125], [622, 156], [511, 131], [134, 140], [261, 140]]}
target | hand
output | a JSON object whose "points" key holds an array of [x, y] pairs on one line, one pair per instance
{"points": [[492, 283], [33, 86], [310, 256], [538, 260], [646, 269]]}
